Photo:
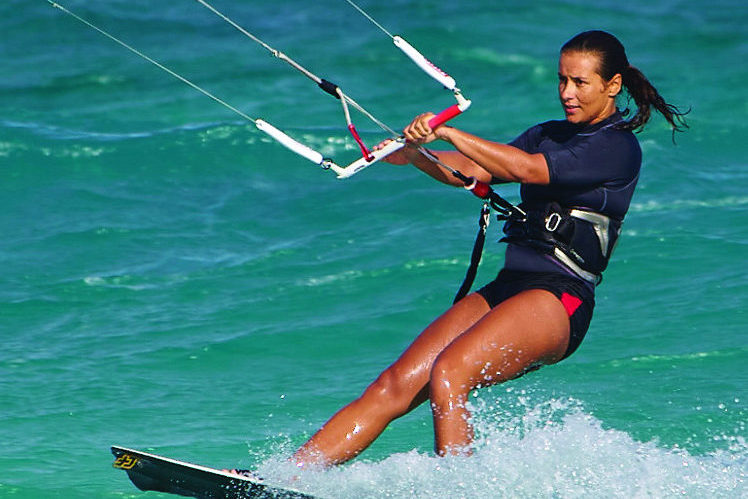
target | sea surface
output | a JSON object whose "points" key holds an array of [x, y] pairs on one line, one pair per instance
{"points": [[176, 282]]}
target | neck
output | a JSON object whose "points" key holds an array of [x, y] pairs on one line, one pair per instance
{"points": [[609, 110]]}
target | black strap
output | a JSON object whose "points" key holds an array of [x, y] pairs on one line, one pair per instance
{"points": [[480, 239]]}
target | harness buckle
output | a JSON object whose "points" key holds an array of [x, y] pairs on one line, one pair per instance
{"points": [[552, 222]]}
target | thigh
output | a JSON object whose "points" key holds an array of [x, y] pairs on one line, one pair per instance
{"points": [[522, 332], [411, 371]]}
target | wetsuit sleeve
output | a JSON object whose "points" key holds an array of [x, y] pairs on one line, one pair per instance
{"points": [[595, 160], [528, 142]]}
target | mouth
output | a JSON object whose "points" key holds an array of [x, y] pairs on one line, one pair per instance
{"points": [[570, 109]]}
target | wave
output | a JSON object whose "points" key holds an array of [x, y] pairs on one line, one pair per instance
{"points": [[679, 204], [553, 449], [63, 133]]}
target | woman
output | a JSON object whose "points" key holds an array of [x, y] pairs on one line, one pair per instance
{"points": [[577, 176]]}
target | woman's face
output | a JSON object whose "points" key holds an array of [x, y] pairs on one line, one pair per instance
{"points": [[585, 96]]}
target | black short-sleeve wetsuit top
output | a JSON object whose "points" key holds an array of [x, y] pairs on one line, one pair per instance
{"points": [[594, 167]]}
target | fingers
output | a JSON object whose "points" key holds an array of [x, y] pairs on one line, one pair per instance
{"points": [[381, 144], [399, 157], [419, 131]]}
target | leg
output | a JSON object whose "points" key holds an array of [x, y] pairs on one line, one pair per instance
{"points": [[530, 328], [399, 389]]}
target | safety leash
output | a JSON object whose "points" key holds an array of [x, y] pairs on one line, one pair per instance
{"points": [[475, 256], [506, 211]]}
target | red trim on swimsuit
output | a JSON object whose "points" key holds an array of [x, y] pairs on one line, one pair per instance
{"points": [[571, 303]]}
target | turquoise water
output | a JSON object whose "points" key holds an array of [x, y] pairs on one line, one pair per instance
{"points": [[175, 282]]}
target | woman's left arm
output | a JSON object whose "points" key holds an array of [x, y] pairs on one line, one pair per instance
{"points": [[503, 161]]}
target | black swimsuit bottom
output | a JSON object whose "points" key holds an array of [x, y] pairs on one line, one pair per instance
{"points": [[575, 295]]}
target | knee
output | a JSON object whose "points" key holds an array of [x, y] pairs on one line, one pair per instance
{"points": [[448, 382], [392, 392]]}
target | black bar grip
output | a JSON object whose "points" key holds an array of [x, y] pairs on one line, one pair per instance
{"points": [[329, 87]]}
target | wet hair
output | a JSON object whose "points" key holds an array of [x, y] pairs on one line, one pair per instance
{"points": [[613, 61]]}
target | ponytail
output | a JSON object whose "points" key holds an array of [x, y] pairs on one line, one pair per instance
{"points": [[613, 61], [645, 97]]}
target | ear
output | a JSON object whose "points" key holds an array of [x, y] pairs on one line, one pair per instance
{"points": [[614, 85]]}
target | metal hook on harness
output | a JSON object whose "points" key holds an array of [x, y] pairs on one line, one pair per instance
{"points": [[552, 222]]}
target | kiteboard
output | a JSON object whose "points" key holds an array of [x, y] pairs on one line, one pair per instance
{"points": [[162, 474]]}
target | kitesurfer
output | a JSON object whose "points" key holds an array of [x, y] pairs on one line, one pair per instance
{"points": [[577, 178]]}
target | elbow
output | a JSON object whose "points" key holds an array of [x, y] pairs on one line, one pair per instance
{"points": [[524, 169], [534, 171], [534, 178], [526, 176]]}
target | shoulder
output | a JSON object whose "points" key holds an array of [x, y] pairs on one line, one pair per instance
{"points": [[597, 155], [622, 143], [553, 133], [557, 128], [532, 139], [606, 142]]}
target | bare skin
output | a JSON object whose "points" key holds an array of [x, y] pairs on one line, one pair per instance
{"points": [[470, 345]]}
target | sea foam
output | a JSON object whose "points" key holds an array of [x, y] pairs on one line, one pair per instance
{"points": [[553, 449]]}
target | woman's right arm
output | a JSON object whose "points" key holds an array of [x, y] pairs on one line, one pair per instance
{"points": [[474, 157], [455, 159], [497, 160]]}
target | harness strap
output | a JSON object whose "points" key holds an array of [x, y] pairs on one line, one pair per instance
{"points": [[599, 222], [571, 264], [491, 199], [475, 257]]}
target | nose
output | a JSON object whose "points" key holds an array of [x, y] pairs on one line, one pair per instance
{"points": [[565, 91]]}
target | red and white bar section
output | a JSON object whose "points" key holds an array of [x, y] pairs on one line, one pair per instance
{"points": [[440, 76]]}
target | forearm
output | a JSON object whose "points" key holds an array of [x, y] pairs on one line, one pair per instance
{"points": [[502, 161], [454, 159]]}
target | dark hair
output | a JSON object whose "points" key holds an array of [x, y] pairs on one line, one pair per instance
{"points": [[613, 61]]}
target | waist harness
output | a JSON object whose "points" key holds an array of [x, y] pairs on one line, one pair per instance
{"points": [[582, 240]]}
